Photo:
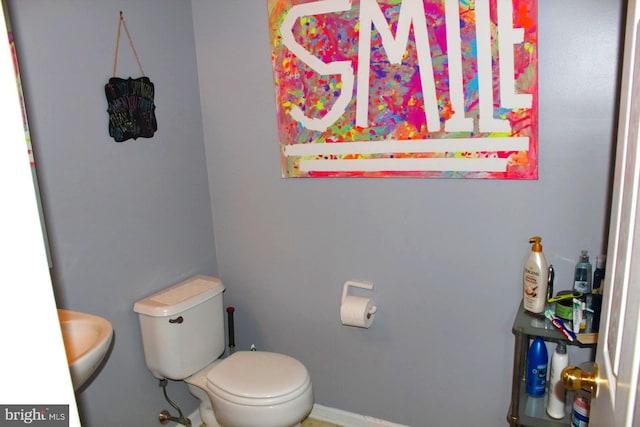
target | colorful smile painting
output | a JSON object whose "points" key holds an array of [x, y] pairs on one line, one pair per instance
{"points": [[406, 88]]}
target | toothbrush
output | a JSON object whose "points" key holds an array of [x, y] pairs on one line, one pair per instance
{"points": [[558, 323]]}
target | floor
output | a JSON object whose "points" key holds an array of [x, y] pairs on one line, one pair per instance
{"points": [[311, 422]]}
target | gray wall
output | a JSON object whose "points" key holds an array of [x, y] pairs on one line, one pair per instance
{"points": [[124, 219], [446, 256]]}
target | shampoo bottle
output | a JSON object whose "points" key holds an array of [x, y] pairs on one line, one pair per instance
{"points": [[537, 362], [535, 278], [557, 392]]}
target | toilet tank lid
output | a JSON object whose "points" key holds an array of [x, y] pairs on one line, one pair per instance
{"points": [[180, 297]]}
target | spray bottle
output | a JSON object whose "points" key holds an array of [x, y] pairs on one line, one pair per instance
{"points": [[535, 278]]}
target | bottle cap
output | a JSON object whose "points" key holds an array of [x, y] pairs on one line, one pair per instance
{"points": [[584, 255], [561, 348]]}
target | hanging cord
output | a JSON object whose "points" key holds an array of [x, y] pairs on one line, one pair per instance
{"points": [[165, 416], [122, 22]]}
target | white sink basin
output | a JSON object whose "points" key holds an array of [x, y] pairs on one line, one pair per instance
{"points": [[86, 341]]}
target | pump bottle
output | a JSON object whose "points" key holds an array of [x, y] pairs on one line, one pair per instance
{"points": [[535, 278]]}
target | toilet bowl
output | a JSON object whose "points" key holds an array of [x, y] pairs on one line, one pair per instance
{"points": [[183, 338], [260, 388], [253, 389]]}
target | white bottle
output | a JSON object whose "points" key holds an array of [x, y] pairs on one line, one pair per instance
{"points": [[535, 278], [557, 392]]}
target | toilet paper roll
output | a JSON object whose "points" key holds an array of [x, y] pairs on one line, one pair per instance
{"points": [[357, 311]]}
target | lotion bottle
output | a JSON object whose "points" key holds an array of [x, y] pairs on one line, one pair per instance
{"points": [[557, 392], [535, 278]]}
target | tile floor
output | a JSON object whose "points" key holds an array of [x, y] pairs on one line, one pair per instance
{"points": [[311, 422]]}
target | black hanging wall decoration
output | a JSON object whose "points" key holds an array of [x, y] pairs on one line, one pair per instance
{"points": [[130, 101]]}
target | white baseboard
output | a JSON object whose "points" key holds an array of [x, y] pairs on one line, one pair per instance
{"points": [[348, 419], [324, 413]]}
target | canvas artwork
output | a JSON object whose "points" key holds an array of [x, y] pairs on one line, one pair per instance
{"points": [[406, 88]]}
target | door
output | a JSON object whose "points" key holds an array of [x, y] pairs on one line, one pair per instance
{"points": [[618, 351], [33, 365]]}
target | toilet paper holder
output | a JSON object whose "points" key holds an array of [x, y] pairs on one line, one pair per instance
{"points": [[363, 285]]}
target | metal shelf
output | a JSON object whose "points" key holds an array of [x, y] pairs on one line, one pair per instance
{"points": [[527, 411], [532, 411], [538, 326]]}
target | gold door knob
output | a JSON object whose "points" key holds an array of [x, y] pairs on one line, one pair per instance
{"points": [[574, 378]]}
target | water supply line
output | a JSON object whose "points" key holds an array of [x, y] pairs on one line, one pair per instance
{"points": [[165, 416], [232, 338]]}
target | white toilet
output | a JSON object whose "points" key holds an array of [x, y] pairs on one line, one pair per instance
{"points": [[183, 338]]}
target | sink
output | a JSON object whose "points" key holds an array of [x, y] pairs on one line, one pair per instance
{"points": [[86, 341]]}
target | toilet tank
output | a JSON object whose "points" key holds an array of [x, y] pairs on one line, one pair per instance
{"points": [[182, 327]]}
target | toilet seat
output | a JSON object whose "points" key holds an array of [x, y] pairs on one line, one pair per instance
{"points": [[258, 378]]}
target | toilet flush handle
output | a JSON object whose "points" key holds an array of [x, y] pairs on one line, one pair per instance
{"points": [[177, 320]]}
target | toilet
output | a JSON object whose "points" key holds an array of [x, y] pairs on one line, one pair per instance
{"points": [[183, 338]]}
